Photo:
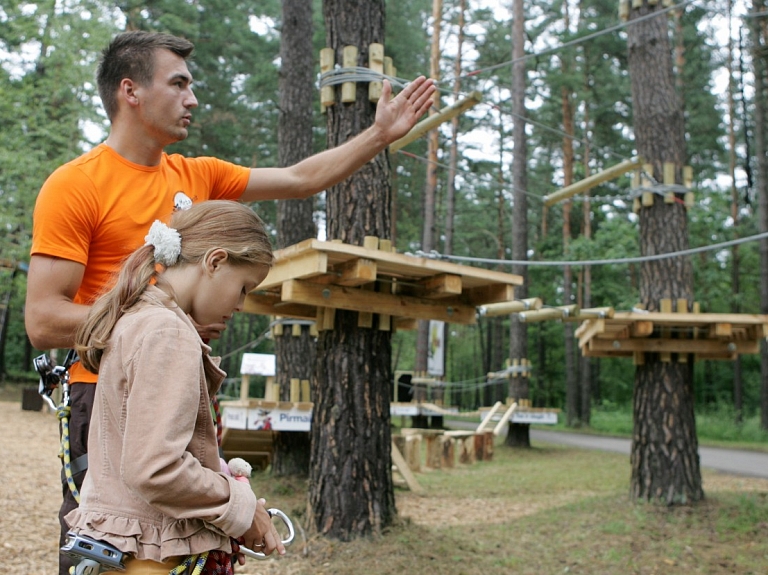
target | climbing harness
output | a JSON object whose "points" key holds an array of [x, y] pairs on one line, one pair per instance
{"points": [[50, 378]]}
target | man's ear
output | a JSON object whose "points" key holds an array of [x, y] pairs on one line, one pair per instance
{"points": [[127, 91], [214, 260]]}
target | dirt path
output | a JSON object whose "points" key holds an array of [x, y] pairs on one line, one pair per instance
{"points": [[30, 490]]}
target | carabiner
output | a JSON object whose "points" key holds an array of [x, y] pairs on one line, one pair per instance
{"points": [[286, 542]]}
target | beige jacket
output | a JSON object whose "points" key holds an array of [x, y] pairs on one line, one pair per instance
{"points": [[153, 487]]}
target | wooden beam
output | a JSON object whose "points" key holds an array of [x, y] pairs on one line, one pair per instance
{"points": [[641, 329], [405, 471], [339, 297], [720, 329], [561, 312], [508, 307], [356, 272], [592, 181], [441, 285], [658, 345], [435, 120], [491, 294], [270, 304], [491, 412], [305, 265], [589, 329]]}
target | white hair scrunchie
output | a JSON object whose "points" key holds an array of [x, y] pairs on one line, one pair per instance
{"points": [[167, 242]]}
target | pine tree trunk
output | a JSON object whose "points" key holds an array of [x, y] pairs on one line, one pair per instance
{"points": [[586, 362], [294, 354], [759, 38], [429, 205], [665, 460], [351, 490], [738, 385], [519, 433]]}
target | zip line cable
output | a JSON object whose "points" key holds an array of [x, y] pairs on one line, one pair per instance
{"points": [[640, 259], [575, 41]]}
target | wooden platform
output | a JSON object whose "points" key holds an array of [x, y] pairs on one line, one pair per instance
{"points": [[705, 335], [313, 276], [253, 446]]}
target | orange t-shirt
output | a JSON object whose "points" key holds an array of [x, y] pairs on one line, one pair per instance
{"points": [[96, 210]]}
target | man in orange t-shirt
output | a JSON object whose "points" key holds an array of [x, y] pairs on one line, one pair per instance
{"points": [[95, 210]]}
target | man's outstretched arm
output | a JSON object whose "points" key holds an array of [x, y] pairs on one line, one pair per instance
{"points": [[394, 119]]}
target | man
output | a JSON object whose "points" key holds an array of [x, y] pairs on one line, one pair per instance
{"points": [[93, 211]]}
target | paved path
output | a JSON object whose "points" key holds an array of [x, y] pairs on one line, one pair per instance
{"points": [[738, 462]]}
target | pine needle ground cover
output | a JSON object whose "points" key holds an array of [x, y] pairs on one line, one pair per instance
{"points": [[545, 510]]}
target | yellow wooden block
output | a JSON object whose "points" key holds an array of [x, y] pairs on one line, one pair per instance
{"points": [[349, 89]]}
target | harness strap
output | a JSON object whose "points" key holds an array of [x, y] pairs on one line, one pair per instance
{"points": [[77, 466]]}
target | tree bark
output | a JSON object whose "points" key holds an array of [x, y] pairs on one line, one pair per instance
{"points": [[738, 385], [294, 354], [430, 187], [351, 490], [759, 59], [519, 433], [664, 460]]}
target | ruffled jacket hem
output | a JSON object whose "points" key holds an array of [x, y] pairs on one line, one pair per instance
{"points": [[145, 540]]}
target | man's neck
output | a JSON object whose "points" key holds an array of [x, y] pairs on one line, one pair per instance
{"points": [[141, 151]]}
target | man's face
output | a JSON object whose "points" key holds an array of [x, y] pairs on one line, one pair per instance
{"points": [[166, 104]]}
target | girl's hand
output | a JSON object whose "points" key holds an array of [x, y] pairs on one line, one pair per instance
{"points": [[262, 536]]}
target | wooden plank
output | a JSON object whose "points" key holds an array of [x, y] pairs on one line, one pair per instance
{"points": [[392, 264], [435, 120], [589, 329], [339, 297], [720, 330], [504, 419], [491, 412], [270, 304], [355, 272], [641, 329], [405, 471], [693, 319], [509, 306], [656, 345], [375, 64], [441, 285], [592, 181], [492, 294], [349, 60], [327, 93], [305, 265]]}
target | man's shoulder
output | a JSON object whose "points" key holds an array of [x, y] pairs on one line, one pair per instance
{"points": [[84, 165]]}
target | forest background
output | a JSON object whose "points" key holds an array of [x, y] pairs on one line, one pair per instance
{"points": [[50, 113]]}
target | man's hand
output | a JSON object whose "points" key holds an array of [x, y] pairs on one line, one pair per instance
{"points": [[396, 116]]}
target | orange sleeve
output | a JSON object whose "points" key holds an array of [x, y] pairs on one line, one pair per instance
{"points": [[65, 215]]}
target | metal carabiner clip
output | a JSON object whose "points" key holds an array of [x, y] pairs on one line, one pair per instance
{"points": [[286, 542]]}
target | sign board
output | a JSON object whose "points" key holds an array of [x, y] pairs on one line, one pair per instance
{"points": [[403, 409], [279, 419], [234, 417], [436, 349], [537, 417], [258, 364]]}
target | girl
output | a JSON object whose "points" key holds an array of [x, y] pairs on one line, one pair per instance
{"points": [[154, 488]]}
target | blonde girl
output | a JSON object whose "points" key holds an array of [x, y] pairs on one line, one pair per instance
{"points": [[154, 487]]}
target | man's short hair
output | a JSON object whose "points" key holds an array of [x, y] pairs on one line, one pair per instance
{"points": [[132, 55]]}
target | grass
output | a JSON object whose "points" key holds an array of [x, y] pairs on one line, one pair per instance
{"points": [[540, 511]]}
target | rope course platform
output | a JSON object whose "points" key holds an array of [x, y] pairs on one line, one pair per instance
{"points": [[312, 279], [722, 336]]}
